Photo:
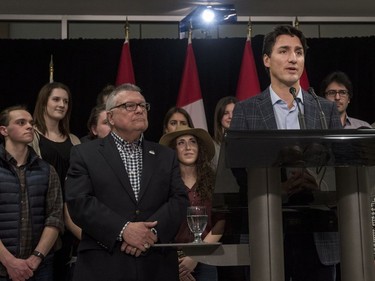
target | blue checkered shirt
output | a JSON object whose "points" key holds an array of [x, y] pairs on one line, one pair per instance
{"points": [[131, 155]]}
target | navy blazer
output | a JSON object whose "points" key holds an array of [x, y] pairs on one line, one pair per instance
{"points": [[101, 200], [257, 113]]}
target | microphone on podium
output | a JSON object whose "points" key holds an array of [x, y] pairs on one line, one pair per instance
{"points": [[301, 116], [322, 117]]}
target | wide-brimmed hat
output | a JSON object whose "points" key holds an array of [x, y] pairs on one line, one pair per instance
{"points": [[201, 134]]}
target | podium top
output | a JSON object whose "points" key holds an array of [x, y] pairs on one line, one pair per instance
{"points": [[299, 148]]}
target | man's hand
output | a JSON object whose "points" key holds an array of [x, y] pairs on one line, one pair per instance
{"points": [[299, 186], [138, 237], [19, 269], [186, 267]]}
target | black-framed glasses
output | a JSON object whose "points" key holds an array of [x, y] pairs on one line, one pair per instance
{"points": [[333, 93], [132, 106]]}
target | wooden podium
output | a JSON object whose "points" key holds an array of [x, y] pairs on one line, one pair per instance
{"points": [[264, 153]]}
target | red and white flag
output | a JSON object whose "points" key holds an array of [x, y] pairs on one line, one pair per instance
{"points": [[189, 95], [304, 80], [125, 73], [248, 82]]}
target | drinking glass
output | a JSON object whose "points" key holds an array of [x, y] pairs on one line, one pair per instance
{"points": [[197, 221]]}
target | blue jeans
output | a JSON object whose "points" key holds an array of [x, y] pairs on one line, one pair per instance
{"points": [[43, 273], [205, 272]]}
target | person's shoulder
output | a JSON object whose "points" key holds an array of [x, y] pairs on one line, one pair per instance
{"points": [[74, 139], [359, 122], [91, 143]]}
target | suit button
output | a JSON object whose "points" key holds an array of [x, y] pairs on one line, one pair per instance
{"points": [[137, 212]]}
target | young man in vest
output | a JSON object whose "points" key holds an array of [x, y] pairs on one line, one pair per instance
{"points": [[30, 202]]}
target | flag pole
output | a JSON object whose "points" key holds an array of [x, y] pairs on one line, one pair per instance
{"points": [[126, 27], [190, 34], [304, 80], [296, 23], [51, 70], [125, 72], [249, 29]]}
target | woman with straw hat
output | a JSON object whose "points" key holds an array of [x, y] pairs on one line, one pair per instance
{"points": [[195, 150]]}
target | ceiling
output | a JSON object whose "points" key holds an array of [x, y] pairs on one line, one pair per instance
{"points": [[168, 9]]}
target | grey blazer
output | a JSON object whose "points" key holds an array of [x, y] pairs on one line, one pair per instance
{"points": [[257, 113]]}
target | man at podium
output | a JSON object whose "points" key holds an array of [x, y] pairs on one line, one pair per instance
{"points": [[285, 105]]}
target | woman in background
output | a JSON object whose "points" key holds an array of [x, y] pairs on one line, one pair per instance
{"points": [[223, 116], [52, 142], [97, 124], [195, 150], [176, 116]]}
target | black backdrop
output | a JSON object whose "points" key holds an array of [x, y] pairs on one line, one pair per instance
{"points": [[86, 66]]}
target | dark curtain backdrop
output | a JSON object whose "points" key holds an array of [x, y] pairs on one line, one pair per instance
{"points": [[86, 66]]}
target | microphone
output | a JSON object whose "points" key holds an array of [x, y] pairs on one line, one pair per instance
{"points": [[301, 116], [322, 117]]}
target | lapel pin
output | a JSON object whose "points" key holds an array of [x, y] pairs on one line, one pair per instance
{"points": [[152, 152]]}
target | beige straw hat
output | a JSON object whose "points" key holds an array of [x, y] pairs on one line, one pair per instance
{"points": [[201, 134]]}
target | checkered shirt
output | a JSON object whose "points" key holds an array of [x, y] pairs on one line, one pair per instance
{"points": [[131, 155]]}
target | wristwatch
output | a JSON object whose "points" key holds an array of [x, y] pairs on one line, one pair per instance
{"points": [[38, 254]]}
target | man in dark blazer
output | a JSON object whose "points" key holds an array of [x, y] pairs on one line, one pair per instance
{"points": [[126, 194], [283, 55]]}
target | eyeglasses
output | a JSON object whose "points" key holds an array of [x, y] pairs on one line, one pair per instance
{"points": [[132, 106], [333, 93]]}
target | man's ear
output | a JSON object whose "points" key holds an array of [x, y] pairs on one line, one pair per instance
{"points": [[109, 118], [3, 131], [93, 130], [266, 60]]}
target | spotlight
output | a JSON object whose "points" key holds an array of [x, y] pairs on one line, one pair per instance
{"points": [[208, 15], [204, 16]]}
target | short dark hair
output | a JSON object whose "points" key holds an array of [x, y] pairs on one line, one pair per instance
{"points": [[4, 114], [106, 91], [270, 38], [340, 78]]}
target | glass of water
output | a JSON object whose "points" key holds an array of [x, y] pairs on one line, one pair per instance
{"points": [[197, 221]]}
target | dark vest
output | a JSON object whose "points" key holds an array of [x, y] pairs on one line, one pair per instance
{"points": [[37, 182]]}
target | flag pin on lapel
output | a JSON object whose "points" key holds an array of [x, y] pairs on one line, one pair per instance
{"points": [[152, 152]]}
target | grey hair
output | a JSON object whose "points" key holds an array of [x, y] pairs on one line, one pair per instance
{"points": [[111, 101]]}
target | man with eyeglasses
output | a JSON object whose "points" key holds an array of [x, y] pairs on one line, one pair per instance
{"points": [[126, 194], [338, 88]]}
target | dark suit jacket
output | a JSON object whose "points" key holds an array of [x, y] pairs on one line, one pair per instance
{"points": [[101, 200], [257, 113]]}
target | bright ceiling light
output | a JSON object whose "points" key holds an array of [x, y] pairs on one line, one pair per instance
{"points": [[208, 15], [203, 16]]}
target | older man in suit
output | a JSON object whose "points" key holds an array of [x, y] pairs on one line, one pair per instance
{"points": [[311, 256], [126, 194]]}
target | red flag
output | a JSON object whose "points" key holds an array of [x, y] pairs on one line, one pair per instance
{"points": [[248, 82], [304, 80], [189, 95], [125, 73]]}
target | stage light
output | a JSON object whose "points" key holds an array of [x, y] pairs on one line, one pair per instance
{"points": [[206, 16]]}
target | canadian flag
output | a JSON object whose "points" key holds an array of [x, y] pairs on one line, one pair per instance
{"points": [[248, 82], [304, 80], [189, 95], [125, 73]]}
